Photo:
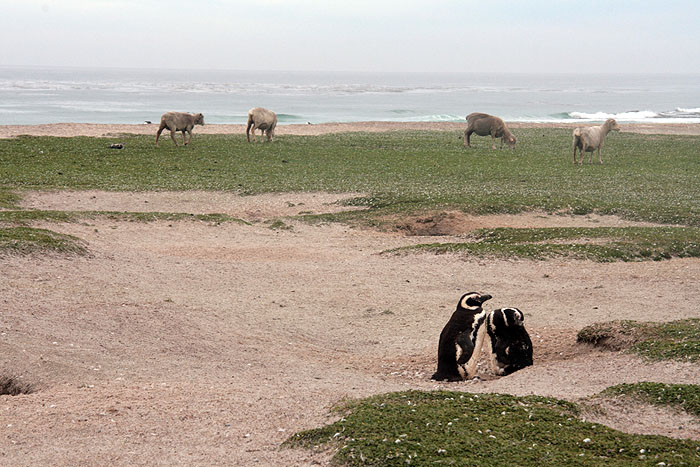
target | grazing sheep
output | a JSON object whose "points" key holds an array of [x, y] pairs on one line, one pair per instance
{"points": [[179, 121], [262, 119], [484, 125], [588, 139]]}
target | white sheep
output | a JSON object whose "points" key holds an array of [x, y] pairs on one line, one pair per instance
{"points": [[179, 121], [262, 119], [588, 139]]}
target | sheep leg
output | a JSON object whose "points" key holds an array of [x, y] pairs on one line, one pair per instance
{"points": [[583, 153], [575, 153], [172, 136], [493, 141], [467, 134], [600, 160], [160, 130], [184, 137]]}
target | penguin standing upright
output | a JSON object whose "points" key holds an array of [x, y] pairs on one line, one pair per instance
{"points": [[510, 346], [459, 338]]}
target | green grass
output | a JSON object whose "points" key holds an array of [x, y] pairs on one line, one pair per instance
{"points": [[597, 243], [684, 396], [675, 340], [456, 428], [645, 177], [24, 216], [26, 240]]}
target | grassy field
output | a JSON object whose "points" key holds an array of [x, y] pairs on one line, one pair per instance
{"points": [[456, 428], [645, 177], [675, 340], [683, 396], [598, 244]]}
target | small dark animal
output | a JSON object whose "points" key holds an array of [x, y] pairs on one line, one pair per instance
{"points": [[484, 125], [116, 146], [147, 122], [508, 342], [262, 119], [588, 139], [458, 339], [179, 121]]}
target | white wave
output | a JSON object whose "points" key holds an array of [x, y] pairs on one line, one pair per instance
{"points": [[636, 115]]}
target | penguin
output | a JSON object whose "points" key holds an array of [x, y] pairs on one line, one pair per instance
{"points": [[458, 339], [510, 344]]}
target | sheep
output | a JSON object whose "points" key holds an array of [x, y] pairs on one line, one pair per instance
{"points": [[588, 139], [485, 124], [263, 119], [179, 121]]}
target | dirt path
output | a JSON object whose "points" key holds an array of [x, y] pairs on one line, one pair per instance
{"points": [[210, 344]]}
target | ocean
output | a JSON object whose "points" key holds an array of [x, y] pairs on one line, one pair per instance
{"points": [[30, 95]]}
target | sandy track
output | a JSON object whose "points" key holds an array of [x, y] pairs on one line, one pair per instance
{"points": [[210, 344], [97, 129]]}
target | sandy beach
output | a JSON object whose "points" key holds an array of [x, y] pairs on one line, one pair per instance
{"points": [[103, 130]]}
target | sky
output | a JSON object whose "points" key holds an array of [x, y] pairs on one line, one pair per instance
{"points": [[558, 36]]}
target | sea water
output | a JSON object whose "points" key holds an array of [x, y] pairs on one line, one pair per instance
{"points": [[32, 95]]}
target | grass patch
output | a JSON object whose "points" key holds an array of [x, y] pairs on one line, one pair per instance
{"points": [[23, 216], [675, 340], [10, 386], [455, 428], [645, 177], [596, 243], [27, 240], [8, 199], [278, 224], [684, 396]]}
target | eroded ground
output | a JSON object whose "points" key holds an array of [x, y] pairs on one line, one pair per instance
{"points": [[200, 343]]}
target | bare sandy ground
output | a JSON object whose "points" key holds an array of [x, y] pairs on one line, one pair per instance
{"points": [[96, 129], [189, 342]]}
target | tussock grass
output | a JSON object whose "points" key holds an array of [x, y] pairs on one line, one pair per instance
{"points": [[11, 386], [645, 177], [675, 340], [27, 240], [684, 396], [456, 428], [597, 243]]}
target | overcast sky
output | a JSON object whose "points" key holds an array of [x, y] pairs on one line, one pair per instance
{"points": [[356, 35]]}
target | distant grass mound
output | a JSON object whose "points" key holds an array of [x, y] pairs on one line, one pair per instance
{"points": [[456, 428], [645, 177], [684, 396], [675, 340], [597, 243], [11, 386], [27, 240]]}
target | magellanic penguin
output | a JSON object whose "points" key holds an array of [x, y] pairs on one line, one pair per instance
{"points": [[510, 344], [459, 338]]}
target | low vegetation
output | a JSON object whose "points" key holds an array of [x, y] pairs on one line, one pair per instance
{"points": [[598, 243], [24, 216], [645, 177], [27, 240], [674, 340], [11, 386], [456, 428], [683, 396]]}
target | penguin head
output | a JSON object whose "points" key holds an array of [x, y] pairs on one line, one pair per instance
{"points": [[513, 316], [472, 301]]}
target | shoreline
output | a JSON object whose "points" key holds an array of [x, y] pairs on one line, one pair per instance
{"points": [[110, 130]]}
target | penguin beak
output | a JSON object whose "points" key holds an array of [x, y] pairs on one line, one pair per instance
{"points": [[484, 297]]}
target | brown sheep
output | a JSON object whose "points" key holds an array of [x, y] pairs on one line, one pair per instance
{"points": [[484, 125], [588, 139], [179, 121], [263, 119]]}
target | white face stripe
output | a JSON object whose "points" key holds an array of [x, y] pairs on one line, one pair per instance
{"points": [[464, 304]]}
